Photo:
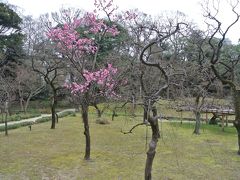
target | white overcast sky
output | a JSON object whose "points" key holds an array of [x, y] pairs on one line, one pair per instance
{"points": [[191, 8]]}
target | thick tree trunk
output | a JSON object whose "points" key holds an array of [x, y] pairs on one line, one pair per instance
{"points": [[53, 111], [198, 122], [236, 96], [86, 131], [152, 145]]}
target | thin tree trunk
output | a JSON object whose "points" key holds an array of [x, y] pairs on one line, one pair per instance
{"points": [[2, 116], [152, 145], [6, 125], [86, 131], [20, 97], [236, 96], [198, 122], [32, 94], [27, 103], [53, 111], [6, 117], [56, 117], [168, 91], [99, 114], [133, 104], [197, 115], [145, 113], [22, 104]]}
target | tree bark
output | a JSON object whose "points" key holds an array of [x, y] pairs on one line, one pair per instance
{"points": [[2, 116], [6, 117], [21, 104], [236, 96], [86, 131], [152, 145], [6, 125], [197, 113], [145, 113], [198, 122], [53, 110], [99, 113], [133, 104], [27, 103], [21, 100]]}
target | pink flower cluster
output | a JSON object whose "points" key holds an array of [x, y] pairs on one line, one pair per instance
{"points": [[68, 38], [103, 78]]}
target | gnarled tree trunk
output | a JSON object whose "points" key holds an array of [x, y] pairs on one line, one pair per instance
{"points": [[86, 131], [152, 145], [236, 96]]}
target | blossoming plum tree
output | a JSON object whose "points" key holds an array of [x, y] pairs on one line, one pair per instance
{"points": [[80, 42]]}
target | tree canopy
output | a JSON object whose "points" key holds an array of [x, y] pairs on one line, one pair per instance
{"points": [[10, 34]]}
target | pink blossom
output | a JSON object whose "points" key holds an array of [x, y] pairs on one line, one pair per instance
{"points": [[103, 78], [68, 38]]}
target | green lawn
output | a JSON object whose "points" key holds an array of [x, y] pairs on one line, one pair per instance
{"points": [[58, 154]]}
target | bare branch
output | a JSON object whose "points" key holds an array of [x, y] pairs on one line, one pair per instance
{"points": [[130, 131]]}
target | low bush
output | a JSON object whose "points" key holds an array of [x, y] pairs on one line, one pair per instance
{"points": [[102, 121], [20, 116]]}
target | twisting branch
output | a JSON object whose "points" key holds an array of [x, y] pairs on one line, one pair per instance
{"points": [[131, 130], [222, 79], [117, 107], [157, 64], [216, 49]]}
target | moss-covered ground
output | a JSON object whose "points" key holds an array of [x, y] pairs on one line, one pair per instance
{"points": [[44, 153]]}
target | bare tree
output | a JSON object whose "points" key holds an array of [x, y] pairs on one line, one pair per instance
{"points": [[196, 86], [147, 59], [28, 85], [45, 61], [7, 91], [51, 68], [154, 72], [225, 70]]}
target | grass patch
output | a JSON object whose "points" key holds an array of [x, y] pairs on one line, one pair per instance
{"points": [[205, 128], [44, 153]]}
